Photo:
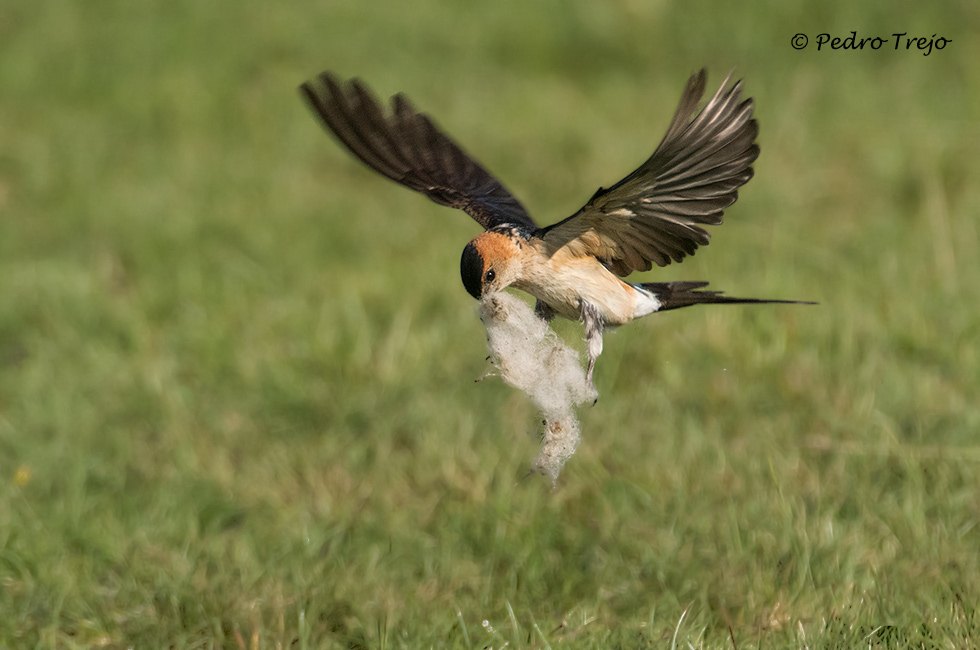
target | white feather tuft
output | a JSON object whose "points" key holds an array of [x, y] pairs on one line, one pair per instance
{"points": [[534, 359]]}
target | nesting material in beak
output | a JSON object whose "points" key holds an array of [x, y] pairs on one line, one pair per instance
{"points": [[534, 359]]}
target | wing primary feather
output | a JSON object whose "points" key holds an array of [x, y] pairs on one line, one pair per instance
{"points": [[692, 94], [333, 109]]}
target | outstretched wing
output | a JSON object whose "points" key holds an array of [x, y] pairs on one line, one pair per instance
{"points": [[655, 214], [408, 148]]}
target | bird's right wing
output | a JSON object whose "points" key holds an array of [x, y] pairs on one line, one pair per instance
{"points": [[655, 214], [408, 148]]}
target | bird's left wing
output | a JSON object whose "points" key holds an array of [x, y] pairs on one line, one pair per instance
{"points": [[655, 214], [408, 148]]}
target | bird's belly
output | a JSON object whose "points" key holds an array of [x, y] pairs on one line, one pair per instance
{"points": [[564, 285]]}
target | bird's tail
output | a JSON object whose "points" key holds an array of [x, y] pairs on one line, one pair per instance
{"points": [[674, 295]]}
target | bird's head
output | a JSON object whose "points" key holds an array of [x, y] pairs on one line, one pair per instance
{"points": [[490, 263]]}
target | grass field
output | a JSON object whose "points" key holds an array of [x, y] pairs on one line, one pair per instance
{"points": [[237, 405]]}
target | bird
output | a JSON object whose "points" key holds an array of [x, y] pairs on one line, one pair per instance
{"points": [[573, 268]]}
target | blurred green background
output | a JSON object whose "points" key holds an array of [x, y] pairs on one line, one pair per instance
{"points": [[236, 396]]}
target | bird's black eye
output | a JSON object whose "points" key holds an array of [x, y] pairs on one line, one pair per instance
{"points": [[491, 274]]}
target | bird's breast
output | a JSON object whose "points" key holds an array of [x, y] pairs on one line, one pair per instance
{"points": [[563, 281]]}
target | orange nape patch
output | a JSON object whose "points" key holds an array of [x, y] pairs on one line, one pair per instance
{"points": [[493, 246]]}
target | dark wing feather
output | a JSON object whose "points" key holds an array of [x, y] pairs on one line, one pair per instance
{"points": [[655, 214], [408, 148]]}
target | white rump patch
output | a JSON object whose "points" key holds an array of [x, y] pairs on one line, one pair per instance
{"points": [[534, 359], [646, 303]]}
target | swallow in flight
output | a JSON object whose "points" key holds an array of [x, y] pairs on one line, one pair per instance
{"points": [[573, 268]]}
